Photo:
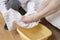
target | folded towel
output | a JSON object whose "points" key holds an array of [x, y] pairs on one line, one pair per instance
{"points": [[14, 16]]}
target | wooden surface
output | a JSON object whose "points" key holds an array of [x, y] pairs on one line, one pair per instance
{"points": [[5, 34]]}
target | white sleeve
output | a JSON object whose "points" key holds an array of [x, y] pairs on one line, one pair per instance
{"points": [[3, 8]]}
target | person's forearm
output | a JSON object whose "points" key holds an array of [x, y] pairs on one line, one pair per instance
{"points": [[53, 6]]}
